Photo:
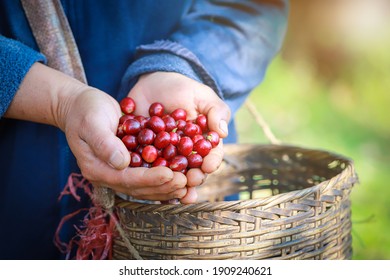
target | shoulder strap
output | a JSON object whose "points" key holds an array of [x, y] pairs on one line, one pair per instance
{"points": [[54, 37]]}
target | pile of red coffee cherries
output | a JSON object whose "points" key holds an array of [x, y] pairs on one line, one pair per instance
{"points": [[164, 139]]}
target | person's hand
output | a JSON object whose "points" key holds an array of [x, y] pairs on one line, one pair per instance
{"points": [[174, 91], [90, 125], [89, 118]]}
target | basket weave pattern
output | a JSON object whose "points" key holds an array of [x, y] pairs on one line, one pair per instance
{"points": [[294, 204]]}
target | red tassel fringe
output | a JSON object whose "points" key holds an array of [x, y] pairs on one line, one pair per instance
{"points": [[94, 238]]}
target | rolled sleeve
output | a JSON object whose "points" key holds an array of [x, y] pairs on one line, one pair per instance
{"points": [[166, 56], [15, 61], [227, 44]]}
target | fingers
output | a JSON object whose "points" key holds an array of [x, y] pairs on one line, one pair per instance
{"points": [[214, 159], [195, 177], [93, 119], [175, 188], [129, 180], [218, 115], [218, 118], [157, 183], [190, 197], [107, 147], [104, 159]]}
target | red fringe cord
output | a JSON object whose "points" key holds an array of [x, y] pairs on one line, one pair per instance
{"points": [[94, 238]]}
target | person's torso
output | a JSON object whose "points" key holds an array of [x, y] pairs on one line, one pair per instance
{"points": [[106, 32], [35, 159]]}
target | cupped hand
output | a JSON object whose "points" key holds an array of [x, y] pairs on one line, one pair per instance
{"points": [[90, 120], [174, 91]]}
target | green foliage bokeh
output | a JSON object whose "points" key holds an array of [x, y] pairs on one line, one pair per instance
{"points": [[347, 114]]}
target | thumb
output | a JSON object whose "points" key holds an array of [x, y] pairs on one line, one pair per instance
{"points": [[218, 118], [109, 148]]}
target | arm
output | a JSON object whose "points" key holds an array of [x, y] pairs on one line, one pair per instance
{"points": [[234, 40], [15, 61], [89, 119], [226, 45], [221, 50]]}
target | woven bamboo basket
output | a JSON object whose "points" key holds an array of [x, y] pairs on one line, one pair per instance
{"points": [[290, 203]]}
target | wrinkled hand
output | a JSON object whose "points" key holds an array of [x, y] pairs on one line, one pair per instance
{"points": [[174, 91], [90, 120]]}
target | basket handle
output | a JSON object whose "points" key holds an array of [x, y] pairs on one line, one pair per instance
{"points": [[262, 123]]}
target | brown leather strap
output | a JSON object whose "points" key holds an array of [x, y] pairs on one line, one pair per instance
{"points": [[54, 37]]}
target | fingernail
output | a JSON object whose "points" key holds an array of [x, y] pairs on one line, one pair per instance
{"points": [[223, 126], [117, 160]]}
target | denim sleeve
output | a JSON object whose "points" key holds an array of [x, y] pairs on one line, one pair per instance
{"points": [[225, 44], [15, 61]]}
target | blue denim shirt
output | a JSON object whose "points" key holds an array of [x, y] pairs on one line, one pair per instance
{"points": [[224, 44]]}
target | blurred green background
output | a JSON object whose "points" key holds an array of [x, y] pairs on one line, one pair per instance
{"points": [[329, 88]]}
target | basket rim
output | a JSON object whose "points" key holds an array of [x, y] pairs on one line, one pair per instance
{"points": [[291, 146], [267, 202]]}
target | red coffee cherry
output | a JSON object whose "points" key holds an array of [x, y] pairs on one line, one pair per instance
{"points": [[149, 154], [131, 126], [202, 147], [127, 105], [156, 109], [179, 114], [165, 139], [185, 146], [178, 163], [195, 160]]}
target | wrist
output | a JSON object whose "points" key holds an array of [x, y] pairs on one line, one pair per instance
{"points": [[64, 98], [44, 96]]}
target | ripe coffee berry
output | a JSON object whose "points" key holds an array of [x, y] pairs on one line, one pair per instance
{"points": [[160, 161], [146, 137], [142, 120], [156, 124], [185, 146], [169, 152], [213, 137], [174, 138], [179, 114], [149, 154], [124, 118], [201, 120], [197, 137], [202, 147], [136, 159], [130, 142], [191, 129], [178, 163], [127, 105], [156, 109], [170, 123], [195, 160], [181, 124], [165, 139], [162, 140], [119, 132], [131, 126]]}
